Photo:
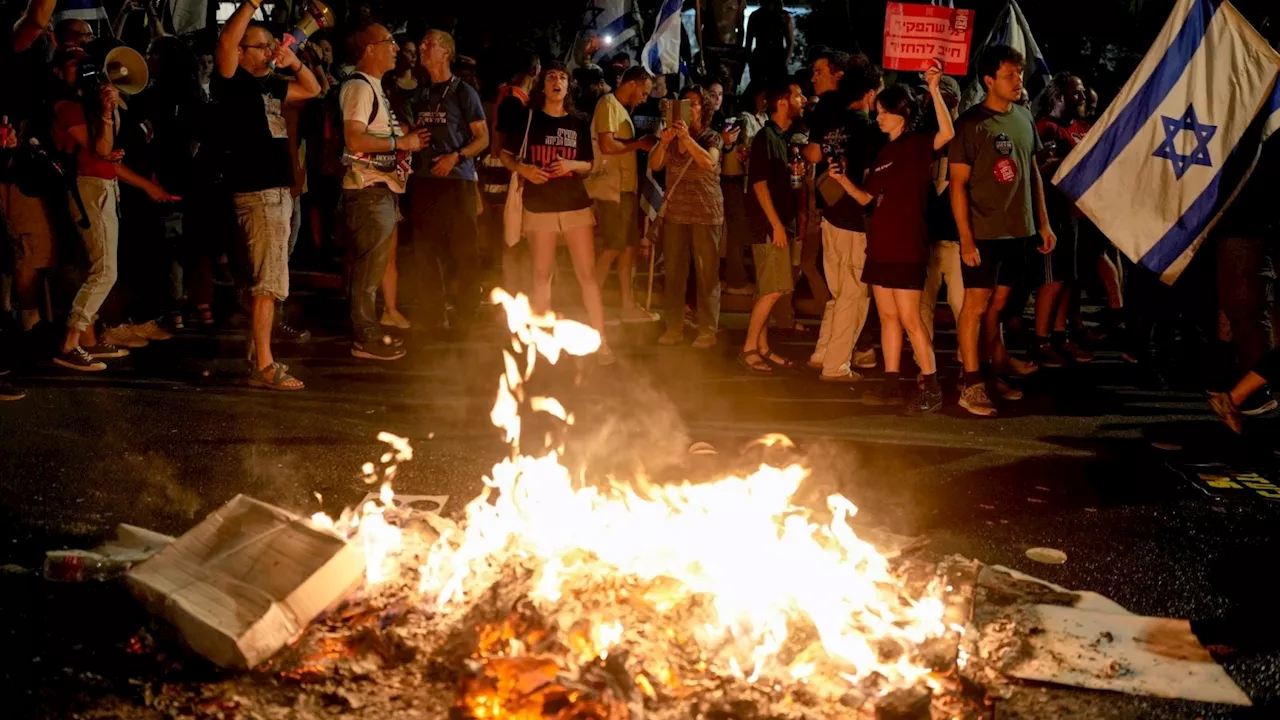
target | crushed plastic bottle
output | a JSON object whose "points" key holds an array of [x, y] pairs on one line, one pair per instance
{"points": [[83, 566]]}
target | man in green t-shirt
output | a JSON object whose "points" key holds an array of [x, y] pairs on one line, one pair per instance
{"points": [[997, 197]]}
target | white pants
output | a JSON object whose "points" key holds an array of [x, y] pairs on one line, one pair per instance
{"points": [[844, 252], [944, 263]]}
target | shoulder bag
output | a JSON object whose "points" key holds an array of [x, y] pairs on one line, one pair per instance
{"points": [[513, 213]]}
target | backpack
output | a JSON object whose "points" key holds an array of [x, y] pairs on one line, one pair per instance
{"points": [[333, 138]]}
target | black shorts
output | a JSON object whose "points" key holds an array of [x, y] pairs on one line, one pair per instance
{"points": [[895, 275], [1003, 263], [1063, 264]]}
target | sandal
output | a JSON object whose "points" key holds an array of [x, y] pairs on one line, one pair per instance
{"points": [[745, 360], [777, 360], [205, 314], [274, 377]]}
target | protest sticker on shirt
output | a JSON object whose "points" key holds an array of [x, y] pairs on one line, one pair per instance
{"points": [[916, 35], [1006, 171]]}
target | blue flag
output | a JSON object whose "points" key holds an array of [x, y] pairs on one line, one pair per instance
{"points": [[661, 54]]}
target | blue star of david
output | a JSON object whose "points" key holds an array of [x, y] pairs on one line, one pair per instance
{"points": [[1169, 148]]}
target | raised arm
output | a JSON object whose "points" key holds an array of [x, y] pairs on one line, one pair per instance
{"points": [[226, 57], [946, 128], [32, 23]]}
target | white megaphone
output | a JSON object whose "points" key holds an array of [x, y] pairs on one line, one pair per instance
{"points": [[126, 70]]}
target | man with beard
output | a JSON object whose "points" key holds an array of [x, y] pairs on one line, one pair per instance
{"points": [[1061, 125]]}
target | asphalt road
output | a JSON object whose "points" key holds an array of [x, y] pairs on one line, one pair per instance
{"points": [[171, 433]]}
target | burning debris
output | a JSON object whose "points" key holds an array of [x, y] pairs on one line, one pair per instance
{"points": [[559, 597]]}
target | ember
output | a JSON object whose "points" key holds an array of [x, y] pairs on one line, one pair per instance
{"points": [[644, 594]]}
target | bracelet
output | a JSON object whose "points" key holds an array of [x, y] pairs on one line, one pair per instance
{"points": [[393, 143]]}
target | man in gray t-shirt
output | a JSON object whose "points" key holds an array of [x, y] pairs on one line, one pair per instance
{"points": [[995, 186]]}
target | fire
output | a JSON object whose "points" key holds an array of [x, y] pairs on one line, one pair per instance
{"points": [[777, 595]]}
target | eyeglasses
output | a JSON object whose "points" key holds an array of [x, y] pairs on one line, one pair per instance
{"points": [[264, 47], [383, 41]]}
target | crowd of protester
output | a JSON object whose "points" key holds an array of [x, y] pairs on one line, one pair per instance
{"points": [[123, 213]]}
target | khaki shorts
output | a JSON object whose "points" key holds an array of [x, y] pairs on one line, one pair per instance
{"points": [[27, 221], [558, 222], [773, 268], [264, 218], [619, 222]]}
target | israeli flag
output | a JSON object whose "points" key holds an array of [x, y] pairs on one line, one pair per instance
{"points": [[616, 20], [1011, 29], [1167, 158], [87, 10], [661, 54]]}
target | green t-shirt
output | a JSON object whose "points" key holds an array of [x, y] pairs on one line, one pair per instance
{"points": [[1000, 149]]}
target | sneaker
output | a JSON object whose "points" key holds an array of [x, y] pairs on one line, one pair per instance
{"points": [[865, 359], [975, 399], [150, 330], [849, 377], [1076, 353], [705, 341], [1259, 403], [77, 359], [605, 356], [637, 315], [1227, 410], [672, 337], [884, 394], [105, 350], [395, 320], [288, 333], [175, 320], [381, 349], [744, 290], [924, 402], [1046, 355], [9, 393], [816, 364], [124, 336], [1021, 368]]}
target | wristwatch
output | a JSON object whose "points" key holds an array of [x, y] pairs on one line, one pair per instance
{"points": [[461, 158]]}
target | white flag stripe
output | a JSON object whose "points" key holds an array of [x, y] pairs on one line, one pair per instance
{"points": [[662, 53]]}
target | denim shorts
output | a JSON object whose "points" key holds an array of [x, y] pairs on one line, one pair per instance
{"points": [[264, 218]]}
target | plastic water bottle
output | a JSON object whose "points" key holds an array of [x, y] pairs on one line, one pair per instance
{"points": [[797, 167], [82, 566]]}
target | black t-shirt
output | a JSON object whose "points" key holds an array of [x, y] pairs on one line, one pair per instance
{"points": [[255, 136], [511, 115], [768, 162], [567, 137], [853, 136]]}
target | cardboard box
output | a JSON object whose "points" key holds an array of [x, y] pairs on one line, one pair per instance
{"points": [[247, 580]]}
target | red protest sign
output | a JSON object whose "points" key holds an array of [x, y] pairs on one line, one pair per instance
{"points": [[915, 35]]}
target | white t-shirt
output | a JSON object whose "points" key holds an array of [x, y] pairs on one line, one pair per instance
{"points": [[357, 98]]}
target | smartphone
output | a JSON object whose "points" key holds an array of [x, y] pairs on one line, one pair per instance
{"points": [[676, 110], [730, 123]]}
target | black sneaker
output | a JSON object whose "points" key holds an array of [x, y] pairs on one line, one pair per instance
{"points": [[104, 350], [1259, 403], [1045, 355], [77, 359], [285, 332], [884, 394], [925, 401], [384, 349], [9, 392]]}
